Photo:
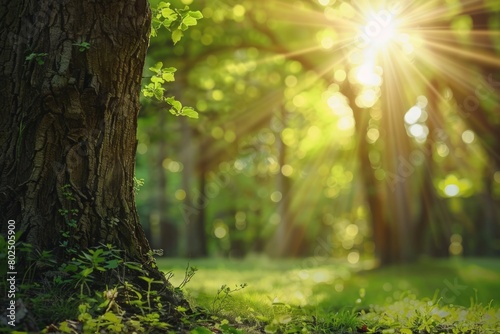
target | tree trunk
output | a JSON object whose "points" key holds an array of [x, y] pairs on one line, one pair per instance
{"points": [[434, 219], [195, 200], [69, 118], [376, 205]]}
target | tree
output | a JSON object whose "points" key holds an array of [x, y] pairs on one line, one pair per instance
{"points": [[70, 81]]}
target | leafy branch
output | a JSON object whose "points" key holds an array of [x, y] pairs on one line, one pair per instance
{"points": [[155, 89], [174, 20]]}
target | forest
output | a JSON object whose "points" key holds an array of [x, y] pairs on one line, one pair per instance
{"points": [[223, 166], [286, 125]]}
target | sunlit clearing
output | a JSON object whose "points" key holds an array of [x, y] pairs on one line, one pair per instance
{"points": [[321, 276]]}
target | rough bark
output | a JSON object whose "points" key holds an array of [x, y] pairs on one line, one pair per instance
{"points": [[69, 119]]}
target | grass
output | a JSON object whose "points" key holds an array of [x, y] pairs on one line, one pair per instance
{"points": [[320, 295]]}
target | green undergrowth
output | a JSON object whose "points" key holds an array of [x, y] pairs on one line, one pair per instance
{"points": [[258, 295], [324, 296]]}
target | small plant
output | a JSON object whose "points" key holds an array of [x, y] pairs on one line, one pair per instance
{"points": [[70, 215], [189, 273], [223, 294], [83, 46], [138, 184], [89, 262], [38, 57], [36, 259], [149, 292]]}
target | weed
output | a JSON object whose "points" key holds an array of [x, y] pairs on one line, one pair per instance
{"points": [[38, 57], [83, 46], [223, 294]]}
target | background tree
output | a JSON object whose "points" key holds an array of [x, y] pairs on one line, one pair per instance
{"points": [[348, 152]]}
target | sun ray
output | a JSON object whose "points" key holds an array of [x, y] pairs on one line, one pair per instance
{"points": [[476, 55]]}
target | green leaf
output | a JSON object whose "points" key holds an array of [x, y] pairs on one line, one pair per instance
{"points": [[181, 309], [163, 5], [168, 77], [157, 67], [158, 93], [147, 279], [284, 319], [156, 79], [86, 272], [112, 264], [189, 21], [133, 265], [168, 13], [262, 318], [176, 35], [111, 317], [64, 327], [195, 14], [189, 112], [405, 331], [200, 330], [174, 103], [271, 328]]}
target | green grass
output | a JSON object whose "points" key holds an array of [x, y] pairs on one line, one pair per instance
{"points": [[432, 294]]}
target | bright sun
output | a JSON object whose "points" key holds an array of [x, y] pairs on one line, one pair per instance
{"points": [[379, 30]]}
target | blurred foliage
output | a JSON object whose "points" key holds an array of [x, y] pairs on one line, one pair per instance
{"points": [[277, 142]]}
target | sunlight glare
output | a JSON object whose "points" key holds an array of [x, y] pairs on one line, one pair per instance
{"points": [[220, 229], [451, 190], [372, 136], [367, 98], [368, 75], [418, 131], [380, 30], [320, 276], [442, 150], [351, 230], [468, 136], [346, 123], [338, 104], [353, 257], [413, 115]]}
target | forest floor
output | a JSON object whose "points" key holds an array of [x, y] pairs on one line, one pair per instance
{"points": [[324, 296]]}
